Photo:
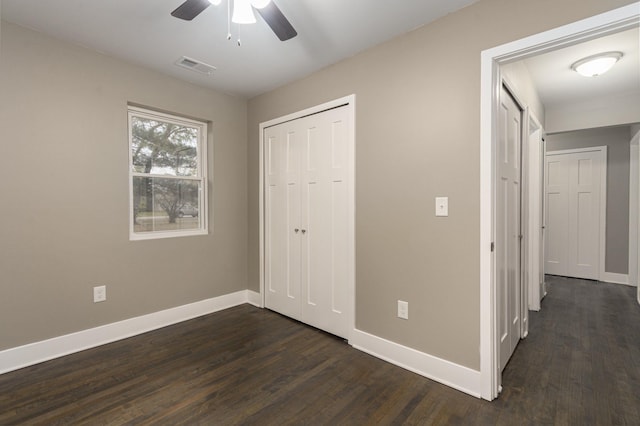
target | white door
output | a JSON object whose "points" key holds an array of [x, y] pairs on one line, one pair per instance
{"points": [[508, 233], [573, 195], [324, 211], [307, 223], [282, 219]]}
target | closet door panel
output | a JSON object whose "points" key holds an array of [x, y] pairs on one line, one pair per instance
{"points": [[282, 217], [324, 213]]}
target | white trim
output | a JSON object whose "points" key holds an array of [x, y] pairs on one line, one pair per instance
{"points": [[614, 278], [634, 210], [45, 350], [535, 195], [446, 372], [254, 298], [606, 23], [350, 102]]}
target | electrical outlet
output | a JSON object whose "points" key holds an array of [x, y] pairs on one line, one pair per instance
{"points": [[99, 293], [403, 309]]}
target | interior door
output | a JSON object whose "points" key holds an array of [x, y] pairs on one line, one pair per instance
{"points": [[557, 215], [573, 212], [508, 233]]}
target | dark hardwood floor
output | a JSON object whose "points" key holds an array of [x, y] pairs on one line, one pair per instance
{"points": [[580, 365]]}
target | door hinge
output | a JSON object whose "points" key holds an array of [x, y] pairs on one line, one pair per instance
{"points": [[493, 246]]}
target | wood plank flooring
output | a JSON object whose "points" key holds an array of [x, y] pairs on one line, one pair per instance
{"points": [[580, 365]]}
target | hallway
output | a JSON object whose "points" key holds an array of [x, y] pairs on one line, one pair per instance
{"points": [[580, 363]]}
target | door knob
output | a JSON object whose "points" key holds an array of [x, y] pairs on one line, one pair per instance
{"points": [[304, 231], [296, 230]]}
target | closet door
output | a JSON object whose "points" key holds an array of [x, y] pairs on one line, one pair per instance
{"points": [[574, 187], [306, 220], [324, 174], [282, 219]]}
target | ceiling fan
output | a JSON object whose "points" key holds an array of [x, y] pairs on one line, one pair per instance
{"points": [[243, 14]]}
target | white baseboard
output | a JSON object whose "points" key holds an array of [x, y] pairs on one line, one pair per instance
{"points": [[254, 298], [448, 373], [456, 376], [611, 277], [45, 350]]}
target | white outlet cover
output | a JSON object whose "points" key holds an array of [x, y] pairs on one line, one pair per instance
{"points": [[403, 309]]}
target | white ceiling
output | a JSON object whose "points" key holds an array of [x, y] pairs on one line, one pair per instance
{"points": [[557, 83], [143, 32]]}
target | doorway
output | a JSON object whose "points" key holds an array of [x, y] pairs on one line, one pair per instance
{"points": [[617, 20]]}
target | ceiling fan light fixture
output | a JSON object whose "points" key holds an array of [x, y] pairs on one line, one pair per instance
{"points": [[596, 65], [242, 12], [260, 4]]}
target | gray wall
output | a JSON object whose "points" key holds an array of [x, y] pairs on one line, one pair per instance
{"points": [[616, 139], [63, 179], [417, 137], [64, 192], [517, 75]]}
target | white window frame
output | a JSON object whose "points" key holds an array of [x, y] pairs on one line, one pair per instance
{"points": [[201, 174]]}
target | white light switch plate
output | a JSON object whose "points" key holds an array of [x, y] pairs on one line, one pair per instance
{"points": [[403, 309], [442, 206], [99, 294]]}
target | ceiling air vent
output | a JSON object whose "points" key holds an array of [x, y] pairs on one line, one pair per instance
{"points": [[197, 66]]}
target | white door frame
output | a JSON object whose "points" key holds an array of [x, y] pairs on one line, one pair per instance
{"points": [[350, 103], [620, 19], [534, 190], [634, 212]]}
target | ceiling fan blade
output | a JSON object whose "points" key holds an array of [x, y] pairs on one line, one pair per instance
{"points": [[277, 21], [190, 9]]}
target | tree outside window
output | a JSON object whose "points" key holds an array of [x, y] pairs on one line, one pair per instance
{"points": [[168, 179]]}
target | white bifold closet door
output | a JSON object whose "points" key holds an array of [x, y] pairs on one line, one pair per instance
{"points": [[508, 226], [306, 220], [573, 197]]}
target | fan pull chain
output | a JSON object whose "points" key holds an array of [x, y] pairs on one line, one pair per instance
{"points": [[229, 20]]}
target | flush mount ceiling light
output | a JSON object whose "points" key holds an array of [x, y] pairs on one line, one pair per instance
{"points": [[595, 65]]}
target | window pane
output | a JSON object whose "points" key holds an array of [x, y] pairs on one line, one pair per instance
{"points": [[165, 204], [163, 148]]}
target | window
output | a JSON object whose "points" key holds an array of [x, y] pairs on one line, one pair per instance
{"points": [[167, 175]]}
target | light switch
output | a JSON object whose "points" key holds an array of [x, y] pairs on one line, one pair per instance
{"points": [[442, 206]]}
